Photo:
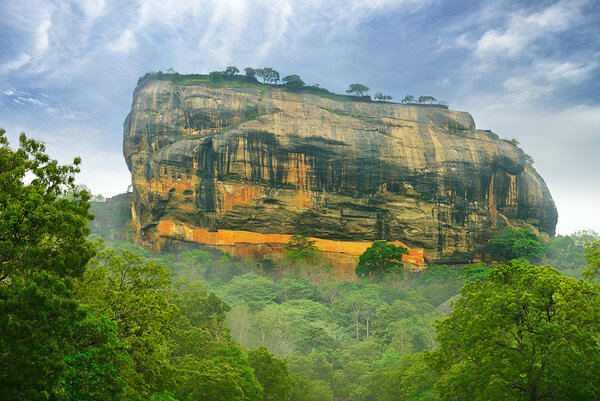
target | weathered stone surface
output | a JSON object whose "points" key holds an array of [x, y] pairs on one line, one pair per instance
{"points": [[210, 162]]}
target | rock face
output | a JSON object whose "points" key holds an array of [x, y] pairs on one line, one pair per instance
{"points": [[244, 168]]}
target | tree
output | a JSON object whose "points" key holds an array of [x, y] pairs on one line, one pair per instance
{"points": [[250, 72], [230, 71], [304, 389], [294, 287], [426, 99], [513, 244], [592, 255], [357, 90], [526, 333], [293, 81], [43, 247], [379, 259], [406, 324], [38, 317], [301, 247], [215, 76], [98, 366], [41, 229], [512, 141], [301, 387], [567, 252], [272, 374], [381, 97], [408, 99], [268, 75], [196, 258], [209, 365], [250, 289], [134, 294], [405, 378], [214, 380]]}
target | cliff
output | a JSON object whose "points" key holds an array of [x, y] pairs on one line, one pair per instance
{"points": [[243, 168]]}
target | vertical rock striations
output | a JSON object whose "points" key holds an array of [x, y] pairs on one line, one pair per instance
{"points": [[244, 168]]}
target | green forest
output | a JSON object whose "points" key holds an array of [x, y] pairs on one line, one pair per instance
{"points": [[86, 314]]}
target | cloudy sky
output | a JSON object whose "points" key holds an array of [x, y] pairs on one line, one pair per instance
{"points": [[525, 69]]}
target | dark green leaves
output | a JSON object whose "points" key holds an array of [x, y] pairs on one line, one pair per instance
{"points": [[526, 333], [515, 244], [40, 228], [379, 259]]}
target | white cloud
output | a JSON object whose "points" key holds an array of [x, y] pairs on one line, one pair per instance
{"points": [[443, 82], [523, 29], [545, 77], [28, 24], [523, 55], [93, 9], [43, 101], [67, 39], [567, 71], [126, 43], [211, 34], [14, 64]]}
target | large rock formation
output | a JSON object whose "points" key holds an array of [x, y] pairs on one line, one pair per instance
{"points": [[244, 168]]}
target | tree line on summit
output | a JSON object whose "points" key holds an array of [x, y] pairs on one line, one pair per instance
{"points": [[82, 321], [272, 77]]}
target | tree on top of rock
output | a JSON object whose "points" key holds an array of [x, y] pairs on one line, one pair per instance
{"points": [[382, 98], [357, 89], [250, 72], [426, 99], [231, 71], [293, 81], [268, 75]]}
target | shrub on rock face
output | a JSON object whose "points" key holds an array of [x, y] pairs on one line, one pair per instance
{"points": [[379, 259], [302, 248]]}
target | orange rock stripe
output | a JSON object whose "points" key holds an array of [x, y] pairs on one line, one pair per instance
{"points": [[232, 237]]}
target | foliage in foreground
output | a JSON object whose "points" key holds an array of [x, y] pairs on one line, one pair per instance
{"points": [[526, 333], [43, 247], [111, 327]]}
